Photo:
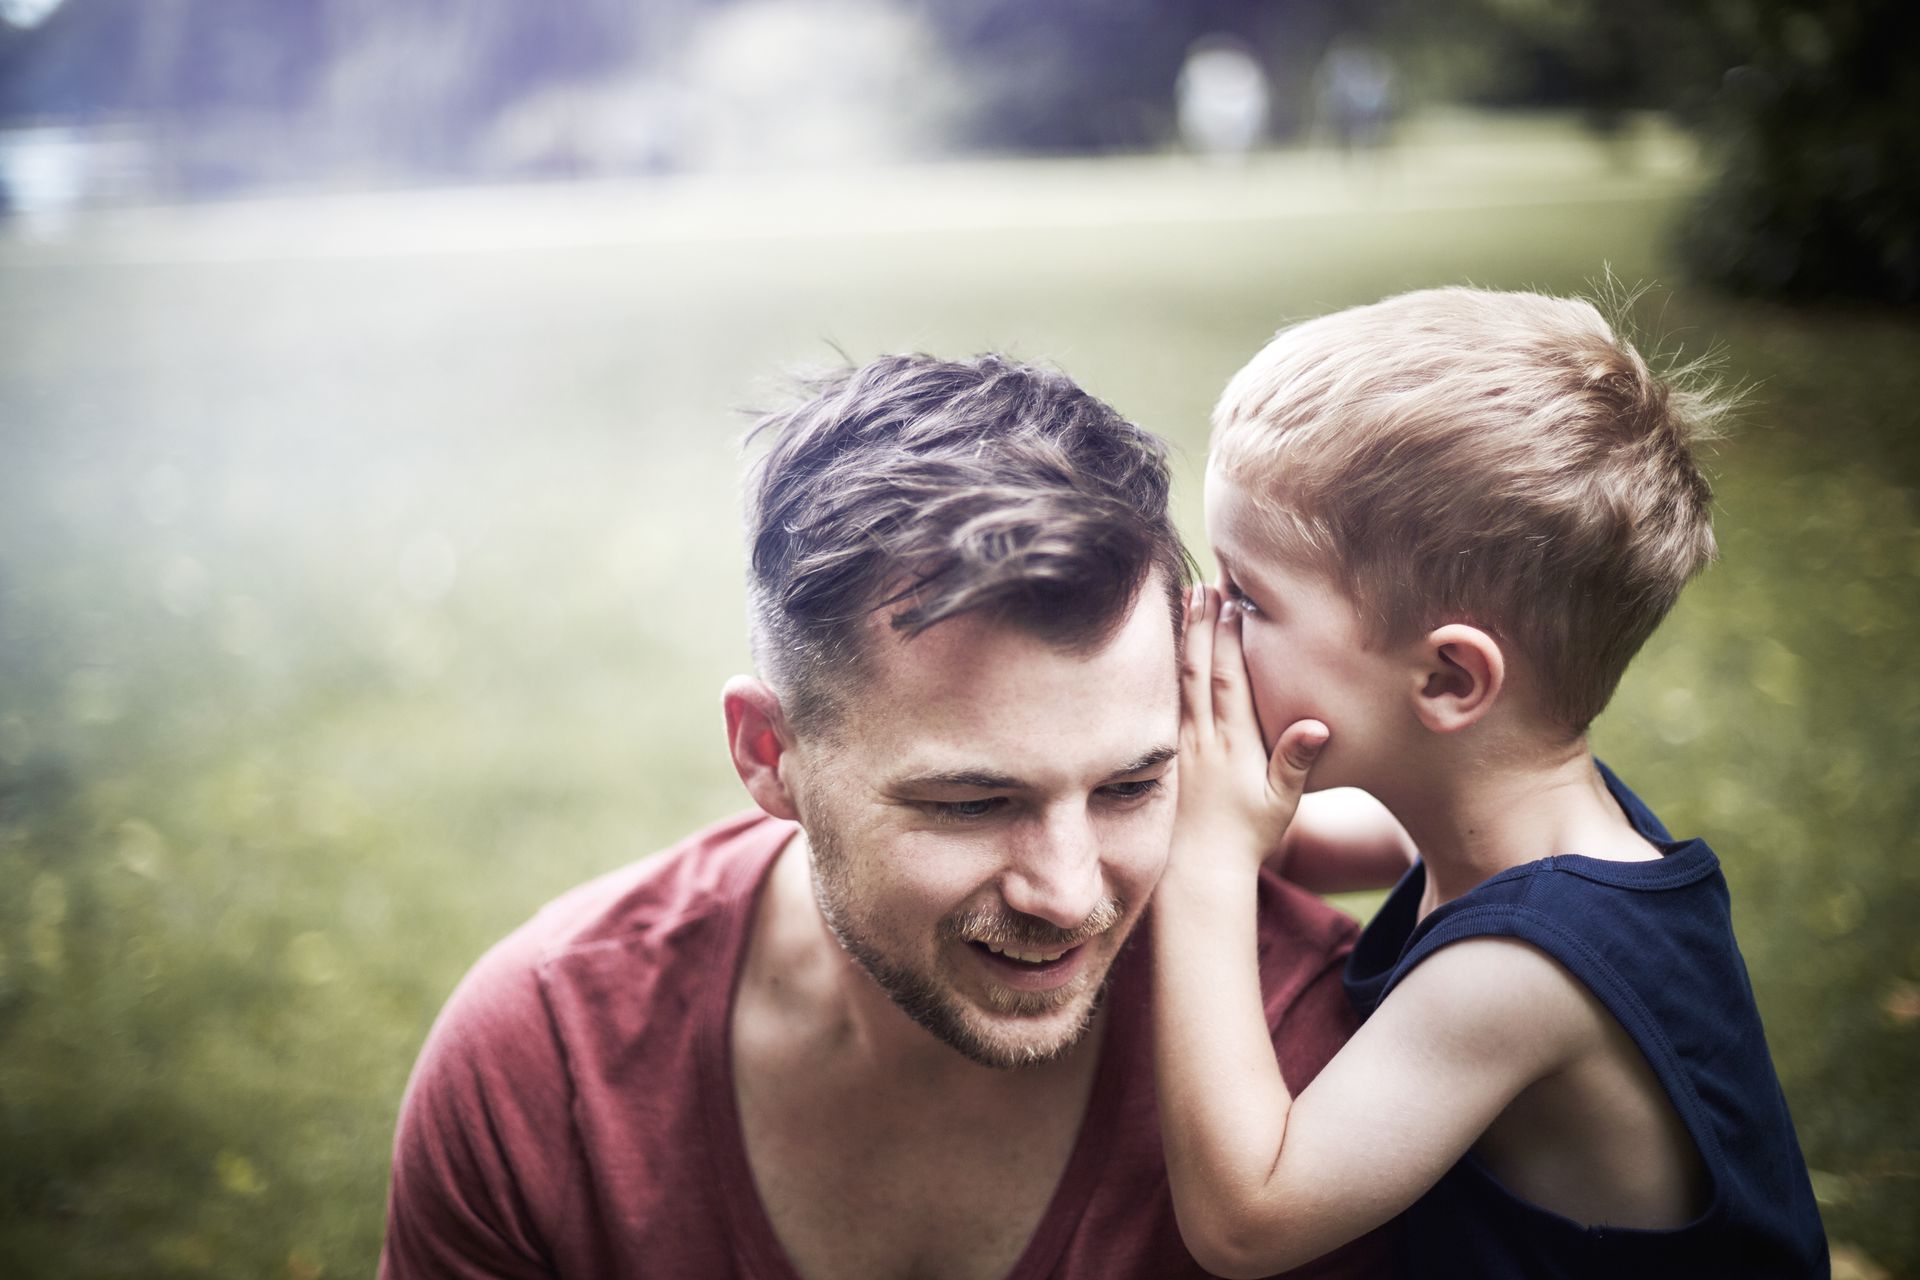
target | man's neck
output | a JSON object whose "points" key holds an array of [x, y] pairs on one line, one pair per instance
{"points": [[1472, 818], [875, 1148]]}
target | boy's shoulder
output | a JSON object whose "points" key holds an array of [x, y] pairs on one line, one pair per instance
{"points": [[1591, 914], [1652, 943]]}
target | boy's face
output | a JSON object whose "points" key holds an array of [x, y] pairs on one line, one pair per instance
{"points": [[1306, 649]]}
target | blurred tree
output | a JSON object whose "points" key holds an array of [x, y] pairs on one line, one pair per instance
{"points": [[234, 91], [1817, 139], [1074, 75], [1602, 57], [103, 57], [1093, 75], [1808, 113]]}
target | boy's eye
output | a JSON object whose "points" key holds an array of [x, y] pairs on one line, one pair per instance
{"points": [[1239, 598], [963, 810]]}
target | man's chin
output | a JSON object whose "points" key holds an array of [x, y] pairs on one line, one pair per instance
{"points": [[1008, 1041], [999, 1027]]}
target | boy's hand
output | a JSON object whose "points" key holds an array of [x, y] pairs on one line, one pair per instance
{"points": [[1236, 800]]}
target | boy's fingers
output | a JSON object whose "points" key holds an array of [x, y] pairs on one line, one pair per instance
{"points": [[1293, 756], [1232, 700], [1196, 666]]}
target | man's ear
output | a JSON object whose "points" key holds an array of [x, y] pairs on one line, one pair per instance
{"points": [[1462, 674], [757, 738]]}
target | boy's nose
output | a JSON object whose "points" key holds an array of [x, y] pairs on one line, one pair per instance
{"points": [[1055, 871]]}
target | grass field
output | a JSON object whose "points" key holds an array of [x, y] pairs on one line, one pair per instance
{"points": [[369, 568]]}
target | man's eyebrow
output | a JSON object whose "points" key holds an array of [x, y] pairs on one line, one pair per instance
{"points": [[986, 780], [980, 779], [1157, 756]]}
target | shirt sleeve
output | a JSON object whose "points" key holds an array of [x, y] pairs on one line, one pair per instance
{"points": [[484, 1137]]}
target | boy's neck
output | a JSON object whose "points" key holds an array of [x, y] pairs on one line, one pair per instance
{"points": [[1492, 815]]}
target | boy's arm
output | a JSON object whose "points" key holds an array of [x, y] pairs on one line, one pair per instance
{"points": [[1260, 1182], [1343, 841]]}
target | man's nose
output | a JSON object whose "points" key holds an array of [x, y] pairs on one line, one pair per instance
{"points": [[1055, 871]]}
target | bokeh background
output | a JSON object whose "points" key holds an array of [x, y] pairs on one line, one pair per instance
{"points": [[372, 380]]}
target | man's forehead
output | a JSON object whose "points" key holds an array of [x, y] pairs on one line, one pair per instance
{"points": [[956, 650], [974, 694]]}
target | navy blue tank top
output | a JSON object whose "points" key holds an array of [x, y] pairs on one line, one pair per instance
{"points": [[1654, 943]]}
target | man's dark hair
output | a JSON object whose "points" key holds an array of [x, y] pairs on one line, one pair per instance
{"points": [[940, 487]]}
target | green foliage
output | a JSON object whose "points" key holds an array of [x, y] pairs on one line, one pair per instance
{"points": [[1816, 139], [354, 602], [1778, 710], [1808, 111]]}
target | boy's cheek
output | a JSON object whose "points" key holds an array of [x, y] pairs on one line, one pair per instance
{"points": [[1273, 703], [1282, 695]]}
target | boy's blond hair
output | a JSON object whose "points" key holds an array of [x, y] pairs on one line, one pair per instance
{"points": [[1459, 455]]}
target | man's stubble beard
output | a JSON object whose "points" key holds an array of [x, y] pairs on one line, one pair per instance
{"points": [[937, 1008]]}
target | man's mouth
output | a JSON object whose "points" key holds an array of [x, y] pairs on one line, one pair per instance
{"points": [[1025, 956], [1025, 967]]}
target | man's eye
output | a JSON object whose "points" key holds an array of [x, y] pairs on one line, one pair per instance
{"points": [[1127, 791], [963, 810]]}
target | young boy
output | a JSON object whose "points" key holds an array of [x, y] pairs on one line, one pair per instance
{"points": [[1444, 524]]}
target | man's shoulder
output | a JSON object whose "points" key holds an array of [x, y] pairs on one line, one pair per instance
{"points": [[712, 870], [1300, 935], [1304, 945], [510, 1093], [635, 918]]}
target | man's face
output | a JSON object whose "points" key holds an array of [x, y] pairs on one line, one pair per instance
{"points": [[988, 820]]}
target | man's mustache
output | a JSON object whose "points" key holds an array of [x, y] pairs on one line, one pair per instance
{"points": [[1003, 928]]}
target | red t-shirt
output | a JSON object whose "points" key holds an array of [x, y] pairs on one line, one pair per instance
{"points": [[572, 1113]]}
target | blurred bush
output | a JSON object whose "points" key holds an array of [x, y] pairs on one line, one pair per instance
{"points": [[1808, 112], [1817, 140]]}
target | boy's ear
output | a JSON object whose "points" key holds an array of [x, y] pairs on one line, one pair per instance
{"points": [[1463, 672], [758, 739]]}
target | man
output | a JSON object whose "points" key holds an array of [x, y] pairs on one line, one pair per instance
{"points": [[890, 1025]]}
